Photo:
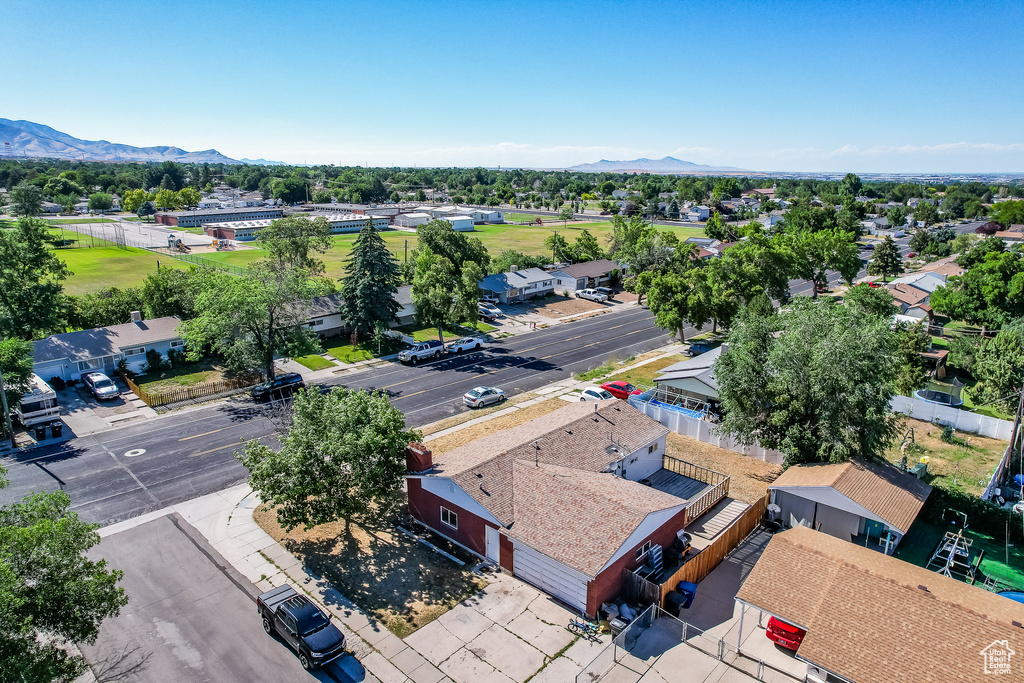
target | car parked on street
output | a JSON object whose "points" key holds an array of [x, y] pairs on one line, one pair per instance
{"points": [[483, 396], [488, 299], [432, 348], [279, 387], [488, 311], [620, 389], [592, 295], [786, 635], [595, 394], [101, 386], [465, 344], [301, 625]]}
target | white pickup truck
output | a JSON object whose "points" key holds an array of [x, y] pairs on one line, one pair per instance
{"points": [[591, 294]]}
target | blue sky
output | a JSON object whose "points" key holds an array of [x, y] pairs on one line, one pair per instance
{"points": [[815, 86]]}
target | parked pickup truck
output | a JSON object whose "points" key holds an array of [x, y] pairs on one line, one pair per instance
{"points": [[591, 294], [302, 625], [432, 348]]}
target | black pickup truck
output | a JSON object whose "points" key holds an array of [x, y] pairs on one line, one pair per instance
{"points": [[302, 625]]}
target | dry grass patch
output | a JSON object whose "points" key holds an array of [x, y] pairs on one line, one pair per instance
{"points": [[750, 477], [558, 306], [970, 463], [397, 580], [469, 434]]}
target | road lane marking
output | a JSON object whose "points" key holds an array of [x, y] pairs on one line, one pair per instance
{"points": [[214, 450], [212, 431], [131, 474], [134, 453]]}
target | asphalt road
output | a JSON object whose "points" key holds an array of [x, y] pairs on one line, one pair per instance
{"points": [[190, 616], [123, 473]]}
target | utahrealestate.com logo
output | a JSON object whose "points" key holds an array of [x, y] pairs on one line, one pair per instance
{"points": [[997, 657]]}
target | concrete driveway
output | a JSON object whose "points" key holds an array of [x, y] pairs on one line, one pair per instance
{"points": [[190, 615]]}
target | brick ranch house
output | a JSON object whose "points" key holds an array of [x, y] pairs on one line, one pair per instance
{"points": [[557, 501]]}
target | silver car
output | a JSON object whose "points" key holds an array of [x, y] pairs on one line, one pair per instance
{"points": [[465, 344], [101, 386], [595, 394], [482, 396]]}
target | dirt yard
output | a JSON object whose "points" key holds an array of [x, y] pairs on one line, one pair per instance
{"points": [[558, 306], [463, 436], [969, 462], [401, 582], [750, 476]]}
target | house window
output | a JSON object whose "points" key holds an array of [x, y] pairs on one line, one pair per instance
{"points": [[176, 343], [318, 322], [642, 551], [451, 519], [136, 351], [653, 447]]}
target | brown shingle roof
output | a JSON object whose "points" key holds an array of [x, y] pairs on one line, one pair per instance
{"points": [[591, 268], [894, 496], [580, 436], [907, 294], [553, 505], [872, 618]]}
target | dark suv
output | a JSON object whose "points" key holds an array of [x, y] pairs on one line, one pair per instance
{"points": [[279, 387], [302, 625]]}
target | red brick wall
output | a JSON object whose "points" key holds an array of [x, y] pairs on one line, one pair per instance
{"points": [[506, 554], [608, 584], [426, 507], [167, 220]]}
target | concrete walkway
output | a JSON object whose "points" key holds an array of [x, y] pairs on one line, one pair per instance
{"points": [[509, 631]]}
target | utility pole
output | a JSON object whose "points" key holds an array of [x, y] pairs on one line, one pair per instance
{"points": [[7, 412]]}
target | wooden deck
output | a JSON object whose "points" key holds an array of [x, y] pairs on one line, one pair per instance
{"points": [[715, 521], [677, 485]]}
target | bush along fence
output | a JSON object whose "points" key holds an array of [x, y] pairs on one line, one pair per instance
{"points": [[161, 398]]}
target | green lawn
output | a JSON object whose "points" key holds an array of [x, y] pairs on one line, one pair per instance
{"points": [[427, 333], [109, 266], [922, 539], [187, 376], [644, 375], [314, 362], [73, 221], [518, 217], [347, 353]]}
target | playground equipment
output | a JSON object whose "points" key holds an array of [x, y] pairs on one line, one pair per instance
{"points": [[955, 555], [222, 245], [175, 243]]}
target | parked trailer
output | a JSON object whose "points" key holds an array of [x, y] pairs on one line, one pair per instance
{"points": [[38, 404]]}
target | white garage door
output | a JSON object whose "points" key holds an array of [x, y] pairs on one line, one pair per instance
{"points": [[45, 372], [550, 576]]}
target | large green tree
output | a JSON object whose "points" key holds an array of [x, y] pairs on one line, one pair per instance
{"points": [[444, 297], [887, 261], [252, 319], [111, 306], [343, 451], [758, 265], [990, 294], [999, 367], [814, 382], [51, 593], [440, 238], [16, 367], [814, 253], [173, 291], [31, 304], [26, 200], [100, 201], [372, 276], [292, 242]]}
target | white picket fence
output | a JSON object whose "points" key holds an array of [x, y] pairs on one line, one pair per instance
{"points": [[961, 420], [704, 431]]}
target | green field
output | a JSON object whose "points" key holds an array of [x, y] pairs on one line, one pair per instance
{"points": [[314, 362], [108, 266], [75, 221]]}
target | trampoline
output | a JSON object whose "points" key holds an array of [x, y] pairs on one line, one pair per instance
{"points": [[943, 394]]}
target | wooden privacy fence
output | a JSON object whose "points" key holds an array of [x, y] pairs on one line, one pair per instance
{"points": [[706, 560], [190, 393], [638, 590]]}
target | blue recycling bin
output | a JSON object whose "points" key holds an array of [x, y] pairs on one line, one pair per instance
{"points": [[689, 590]]}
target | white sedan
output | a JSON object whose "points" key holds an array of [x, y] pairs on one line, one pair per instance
{"points": [[591, 294], [465, 344], [482, 396], [595, 394]]}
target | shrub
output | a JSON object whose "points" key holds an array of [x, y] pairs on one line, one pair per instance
{"points": [[155, 362], [57, 383]]}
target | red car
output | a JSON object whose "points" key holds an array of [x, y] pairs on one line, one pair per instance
{"points": [[786, 635], [621, 390], [911, 255]]}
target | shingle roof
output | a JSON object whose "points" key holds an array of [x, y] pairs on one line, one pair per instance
{"points": [[552, 504], [591, 268], [894, 496], [104, 341], [404, 295], [325, 305], [701, 368], [502, 282], [581, 436], [907, 293], [872, 618], [927, 282]]}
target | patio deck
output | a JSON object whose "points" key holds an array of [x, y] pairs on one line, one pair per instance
{"points": [[677, 485]]}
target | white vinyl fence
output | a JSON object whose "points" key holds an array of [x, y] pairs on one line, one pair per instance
{"points": [[960, 420], [704, 431]]}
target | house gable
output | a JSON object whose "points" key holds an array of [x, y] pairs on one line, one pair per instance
{"points": [[651, 524]]}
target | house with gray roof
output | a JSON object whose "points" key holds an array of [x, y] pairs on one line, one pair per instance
{"points": [[592, 273], [568, 501], [518, 284], [73, 354], [326, 319], [693, 378]]}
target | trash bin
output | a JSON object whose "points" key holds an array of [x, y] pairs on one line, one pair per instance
{"points": [[40, 432], [674, 602], [617, 626], [57, 428], [689, 590]]}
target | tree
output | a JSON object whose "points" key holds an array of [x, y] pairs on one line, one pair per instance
{"points": [[167, 199], [290, 190], [566, 215], [16, 366], [587, 248], [67, 203], [173, 291], [322, 197], [1008, 213], [962, 244], [887, 261], [444, 296], [911, 341], [254, 318], [443, 240], [697, 296], [871, 301], [850, 185], [421, 196], [606, 188], [344, 451], [758, 265], [51, 594], [56, 186], [26, 200], [978, 252], [133, 199], [30, 281], [673, 210], [926, 213], [147, 209], [990, 294], [189, 196], [816, 252], [110, 306], [814, 382], [559, 248], [291, 242], [100, 201], [999, 366], [503, 262], [714, 228], [897, 216], [371, 282], [920, 241]]}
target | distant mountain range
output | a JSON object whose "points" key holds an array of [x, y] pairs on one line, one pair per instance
{"points": [[29, 139], [663, 165]]}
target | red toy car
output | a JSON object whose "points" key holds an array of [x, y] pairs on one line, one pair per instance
{"points": [[621, 390], [786, 635]]}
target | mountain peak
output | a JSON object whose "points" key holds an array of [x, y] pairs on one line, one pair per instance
{"points": [[644, 165]]}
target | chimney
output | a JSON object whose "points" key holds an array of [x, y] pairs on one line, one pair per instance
{"points": [[136, 317], [418, 458]]}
